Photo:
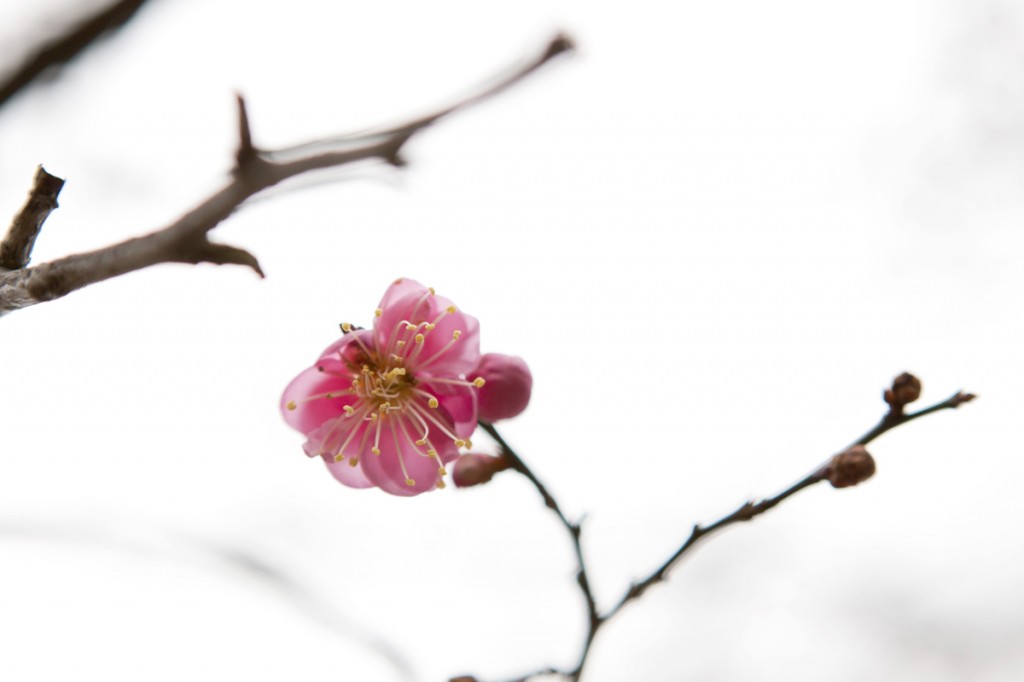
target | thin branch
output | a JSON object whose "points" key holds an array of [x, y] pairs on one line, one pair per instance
{"points": [[832, 471], [16, 247], [749, 510], [186, 239], [594, 620], [65, 47]]}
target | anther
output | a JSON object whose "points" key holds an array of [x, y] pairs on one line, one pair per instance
{"points": [[432, 402], [353, 461], [421, 442], [418, 338], [450, 309], [378, 312], [479, 382], [459, 443], [346, 327], [456, 334], [375, 450], [339, 457], [442, 471], [349, 410], [441, 485], [410, 482], [291, 405]]}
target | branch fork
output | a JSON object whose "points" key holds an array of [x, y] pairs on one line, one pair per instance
{"points": [[186, 240]]}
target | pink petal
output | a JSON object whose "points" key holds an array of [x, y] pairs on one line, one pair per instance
{"points": [[349, 475], [457, 407], [437, 357], [385, 470], [310, 414]]}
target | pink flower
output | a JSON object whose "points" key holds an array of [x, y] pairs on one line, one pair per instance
{"points": [[506, 390], [390, 406]]}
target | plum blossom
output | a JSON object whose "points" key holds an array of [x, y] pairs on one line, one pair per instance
{"points": [[391, 406]]}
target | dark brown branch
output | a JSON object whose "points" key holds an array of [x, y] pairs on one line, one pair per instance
{"points": [[16, 247], [747, 511], [594, 620], [186, 241], [65, 47]]}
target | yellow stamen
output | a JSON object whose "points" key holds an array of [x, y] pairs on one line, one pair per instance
{"points": [[433, 403], [353, 461], [378, 312], [479, 382], [291, 405]]}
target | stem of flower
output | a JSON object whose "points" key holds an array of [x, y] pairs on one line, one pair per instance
{"points": [[895, 417]]}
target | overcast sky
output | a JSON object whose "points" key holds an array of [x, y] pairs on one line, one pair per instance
{"points": [[715, 233]]}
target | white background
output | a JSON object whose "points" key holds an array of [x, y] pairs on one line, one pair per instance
{"points": [[715, 233]]}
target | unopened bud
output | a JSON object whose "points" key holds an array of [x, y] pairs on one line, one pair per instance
{"points": [[906, 388], [506, 388], [473, 469], [851, 467]]}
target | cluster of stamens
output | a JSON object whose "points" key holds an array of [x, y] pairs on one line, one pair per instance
{"points": [[392, 401]]}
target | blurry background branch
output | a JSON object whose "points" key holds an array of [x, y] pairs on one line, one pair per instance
{"points": [[848, 468], [56, 51], [186, 240]]}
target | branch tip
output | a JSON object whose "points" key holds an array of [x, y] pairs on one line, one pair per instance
{"points": [[246, 150], [225, 254], [561, 43], [16, 247]]}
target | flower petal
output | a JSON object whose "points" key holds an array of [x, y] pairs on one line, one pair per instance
{"points": [[444, 354], [308, 414], [386, 469], [457, 407], [349, 475]]}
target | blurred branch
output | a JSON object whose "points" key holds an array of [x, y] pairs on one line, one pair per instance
{"points": [[63, 48], [848, 468], [16, 247], [186, 239]]}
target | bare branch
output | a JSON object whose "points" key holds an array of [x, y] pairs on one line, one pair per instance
{"points": [[16, 247], [185, 240], [65, 47], [897, 397]]}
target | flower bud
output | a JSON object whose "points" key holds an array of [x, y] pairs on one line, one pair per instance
{"points": [[506, 389], [906, 388], [850, 467], [474, 469]]}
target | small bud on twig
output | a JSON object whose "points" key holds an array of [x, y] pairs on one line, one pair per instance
{"points": [[473, 469], [850, 467], [906, 388]]}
